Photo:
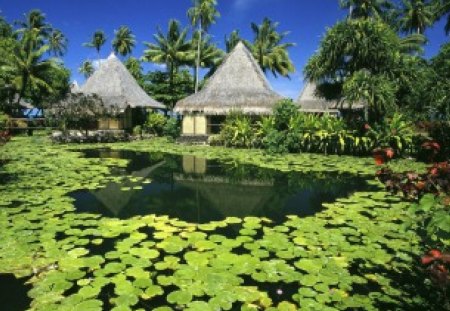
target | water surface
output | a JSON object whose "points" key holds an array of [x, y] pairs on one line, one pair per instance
{"points": [[199, 190]]}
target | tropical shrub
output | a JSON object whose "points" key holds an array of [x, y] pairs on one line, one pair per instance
{"points": [[155, 124], [395, 132], [414, 186], [137, 130], [172, 128], [440, 133], [238, 131]]}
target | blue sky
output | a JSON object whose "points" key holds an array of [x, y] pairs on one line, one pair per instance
{"points": [[306, 21]]}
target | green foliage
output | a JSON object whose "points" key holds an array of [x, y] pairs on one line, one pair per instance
{"points": [[3, 120], [124, 41], [206, 268], [395, 132], [237, 131], [172, 128], [159, 86], [97, 41], [440, 132], [269, 50], [375, 91], [155, 123], [86, 68], [78, 111]]}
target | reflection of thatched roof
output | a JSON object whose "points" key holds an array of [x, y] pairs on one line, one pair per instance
{"points": [[113, 198], [117, 87], [309, 101], [238, 84]]}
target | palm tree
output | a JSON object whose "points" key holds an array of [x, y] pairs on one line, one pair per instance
{"points": [[232, 40], [134, 66], [34, 19], [28, 70], [413, 43], [202, 15], [57, 43], [210, 55], [86, 69], [170, 49], [124, 41], [442, 8], [268, 49], [417, 15], [367, 8], [97, 41]]}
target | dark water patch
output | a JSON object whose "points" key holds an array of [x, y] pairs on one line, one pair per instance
{"points": [[199, 191], [13, 293]]}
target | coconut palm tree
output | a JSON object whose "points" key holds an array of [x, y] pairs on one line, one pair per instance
{"points": [[232, 40], [442, 8], [367, 8], [171, 49], [124, 41], [34, 19], [28, 70], [202, 15], [86, 69], [97, 41], [417, 15], [210, 55], [134, 66], [268, 49], [57, 42]]}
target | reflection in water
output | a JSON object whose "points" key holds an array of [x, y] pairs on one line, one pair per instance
{"points": [[198, 190]]}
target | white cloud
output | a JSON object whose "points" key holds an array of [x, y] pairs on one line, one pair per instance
{"points": [[96, 63], [243, 5]]}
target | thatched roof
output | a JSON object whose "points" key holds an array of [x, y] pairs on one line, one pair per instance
{"points": [[309, 101], [117, 87], [238, 84]]}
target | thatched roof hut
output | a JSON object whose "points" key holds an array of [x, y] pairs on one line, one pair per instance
{"points": [[309, 101], [238, 84], [117, 87]]}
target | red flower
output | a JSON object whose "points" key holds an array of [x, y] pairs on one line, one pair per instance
{"points": [[379, 159], [435, 253], [367, 127], [390, 153], [426, 260]]}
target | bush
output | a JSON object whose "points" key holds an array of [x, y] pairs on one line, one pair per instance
{"points": [[137, 130], [172, 128], [155, 124], [440, 132], [238, 131], [3, 120]]}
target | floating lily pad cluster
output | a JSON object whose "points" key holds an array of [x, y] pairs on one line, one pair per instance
{"points": [[349, 256]]}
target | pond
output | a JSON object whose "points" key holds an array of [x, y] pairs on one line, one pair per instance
{"points": [[197, 190], [170, 227]]}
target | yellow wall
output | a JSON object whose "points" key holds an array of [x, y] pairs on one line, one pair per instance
{"points": [[109, 124], [195, 125]]}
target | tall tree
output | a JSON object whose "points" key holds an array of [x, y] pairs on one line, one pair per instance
{"points": [[28, 70], [268, 49], [232, 40], [367, 8], [210, 55], [86, 69], [134, 66], [202, 15], [6, 30], [57, 42], [442, 8], [35, 19], [97, 41], [171, 49], [124, 41], [417, 15]]}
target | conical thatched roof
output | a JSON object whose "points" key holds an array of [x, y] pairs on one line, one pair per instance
{"points": [[117, 87], [310, 102], [238, 84]]}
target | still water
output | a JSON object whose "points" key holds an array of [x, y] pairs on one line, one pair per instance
{"points": [[198, 190]]}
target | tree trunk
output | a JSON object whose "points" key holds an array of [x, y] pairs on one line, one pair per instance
{"points": [[197, 63]]}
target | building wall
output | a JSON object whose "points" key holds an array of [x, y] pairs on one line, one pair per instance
{"points": [[110, 124], [195, 125]]}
